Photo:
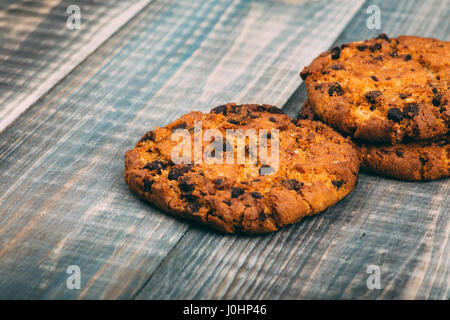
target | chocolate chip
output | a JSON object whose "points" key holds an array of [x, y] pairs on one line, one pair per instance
{"points": [[305, 74], [423, 160], [337, 66], [404, 95], [437, 100], [375, 47], [177, 172], [218, 181], [227, 202], [185, 185], [220, 109], [148, 185], [272, 119], [262, 215], [382, 36], [235, 109], [189, 196], [148, 136], [395, 114], [411, 110], [181, 125], [194, 205], [379, 58], [393, 54], [265, 169], [156, 165], [372, 96], [275, 110], [256, 195], [434, 90], [335, 53], [407, 57], [292, 184], [374, 78], [338, 183], [261, 108], [361, 47], [236, 192], [399, 152], [233, 121], [335, 88], [441, 142]]}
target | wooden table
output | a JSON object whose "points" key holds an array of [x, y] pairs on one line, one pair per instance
{"points": [[73, 100]]}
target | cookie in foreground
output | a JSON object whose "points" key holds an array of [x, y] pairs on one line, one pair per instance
{"points": [[383, 90], [423, 160], [314, 168]]}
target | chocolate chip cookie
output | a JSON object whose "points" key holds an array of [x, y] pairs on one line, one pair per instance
{"points": [[415, 160], [385, 89], [316, 168]]}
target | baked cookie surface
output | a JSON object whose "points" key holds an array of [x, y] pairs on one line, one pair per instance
{"points": [[414, 161], [383, 90], [316, 168]]}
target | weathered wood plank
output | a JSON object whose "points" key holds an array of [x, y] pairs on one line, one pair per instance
{"points": [[401, 227], [37, 49], [64, 201]]}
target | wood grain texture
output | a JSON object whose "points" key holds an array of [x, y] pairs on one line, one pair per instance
{"points": [[401, 227], [37, 49], [64, 201]]}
